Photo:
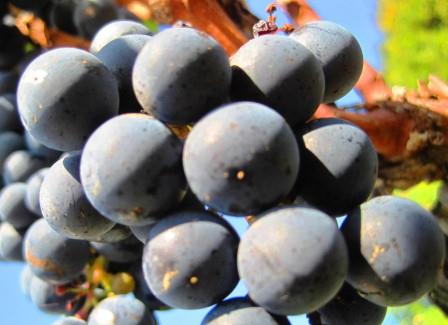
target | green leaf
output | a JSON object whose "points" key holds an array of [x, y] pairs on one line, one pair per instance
{"points": [[152, 25], [423, 193], [416, 32]]}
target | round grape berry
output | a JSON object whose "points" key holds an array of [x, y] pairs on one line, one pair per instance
{"points": [[396, 250], [241, 159]]}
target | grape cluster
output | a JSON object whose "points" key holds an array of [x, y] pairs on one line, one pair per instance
{"points": [[119, 164]]}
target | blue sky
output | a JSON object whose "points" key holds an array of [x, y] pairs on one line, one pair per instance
{"points": [[357, 16]]}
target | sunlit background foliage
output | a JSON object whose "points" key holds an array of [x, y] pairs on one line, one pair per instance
{"points": [[416, 39]]}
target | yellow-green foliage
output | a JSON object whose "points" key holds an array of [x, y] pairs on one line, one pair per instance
{"points": [[424, 194], [419, 313], [416, 41]]}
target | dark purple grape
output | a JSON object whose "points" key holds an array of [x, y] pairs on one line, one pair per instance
{"points": [[38, 149], [141, 232], [12, 206], [338, 52], [91, 15], [189, 203], [133, 191], [20, 165], [241, 159], [292, 260], [53, 257], [11, 46], [241, 311], [64, 95], [347, 307], [119, 56], [9, 142], [142, 291], [69, 320], [25, 279], [9, 117], [116, 234], [11, 241], [33, 190], [44, 296], [278, 72], [64, 204], [339, 165], [29, 57], [396, 250], [124, 251], [115, 30], [180, 86], [62, 15], [189, 260], [121, 310], [8, 81]]}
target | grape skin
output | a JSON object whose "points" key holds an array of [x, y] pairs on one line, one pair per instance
{"points": [[241, 311], [339, 165], [20, 165], [124, 251], [396, 250], [116, 234], [33, 190], [9, 117], [119, 56], [286, 77], [141, 232], [189, 261], [38, 149], [241, 158], [292, 260], [64, 204], [57, 259], [8, 81], [338, 52], [114, 30], [12, 206], [69, 110], [10, 242], [44, 296], [189, 203], [142, 291], [347, 307], [25, 280], [121, 310], [67, 320], [148, 184], [91, 15], [9, 142], [181, 86]]}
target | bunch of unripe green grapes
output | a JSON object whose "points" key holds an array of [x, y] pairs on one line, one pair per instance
{"points": [[119, 165]]}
